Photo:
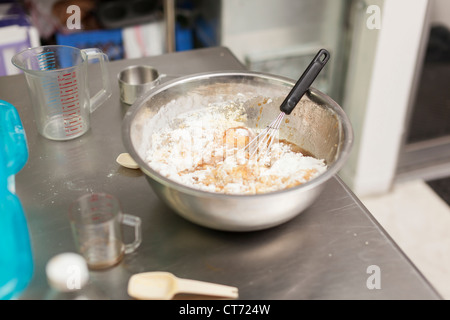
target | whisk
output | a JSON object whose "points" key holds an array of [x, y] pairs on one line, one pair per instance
{"points": [[267, 136]]}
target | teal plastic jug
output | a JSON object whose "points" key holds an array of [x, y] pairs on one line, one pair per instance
{"points": [[16, 261]]}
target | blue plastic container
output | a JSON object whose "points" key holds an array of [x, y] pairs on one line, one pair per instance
{"points": [[16, 261], [109, 41]]}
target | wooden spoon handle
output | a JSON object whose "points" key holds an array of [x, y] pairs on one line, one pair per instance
{"points": [[206, 288]]}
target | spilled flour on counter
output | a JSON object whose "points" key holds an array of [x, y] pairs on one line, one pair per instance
{"points": [[205, 150]]}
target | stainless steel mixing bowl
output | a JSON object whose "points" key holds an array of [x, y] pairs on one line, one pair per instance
{"points": [[318, 125]]}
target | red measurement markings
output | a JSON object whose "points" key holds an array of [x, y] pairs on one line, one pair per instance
{"points": [[68, 90]]}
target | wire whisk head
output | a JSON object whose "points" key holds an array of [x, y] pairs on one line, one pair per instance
{"points": [[262, 143]]}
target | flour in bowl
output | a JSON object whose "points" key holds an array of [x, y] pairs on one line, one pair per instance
{"points": [[205, 150]]}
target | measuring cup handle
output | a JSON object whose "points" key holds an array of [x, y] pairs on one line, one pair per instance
{"points": [[135, 222], [105, 92]]}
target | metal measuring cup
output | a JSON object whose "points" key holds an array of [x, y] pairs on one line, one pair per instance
{"points": [[135, 81]]}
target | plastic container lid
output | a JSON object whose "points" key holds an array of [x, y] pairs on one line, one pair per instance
{"points": [[67, 272]]}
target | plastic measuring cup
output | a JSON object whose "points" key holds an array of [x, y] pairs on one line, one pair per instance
{"points": [[96, 221], [16, 257], [57, 80]]}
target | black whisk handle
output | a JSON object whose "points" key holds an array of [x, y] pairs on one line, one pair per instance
{"points": [[305, 81]]}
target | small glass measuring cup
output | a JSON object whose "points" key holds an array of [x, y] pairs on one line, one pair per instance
{"points": [[96, 221], [57, 79]]}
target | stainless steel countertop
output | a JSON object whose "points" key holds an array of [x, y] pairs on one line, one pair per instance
{"points": [[324, 253]]}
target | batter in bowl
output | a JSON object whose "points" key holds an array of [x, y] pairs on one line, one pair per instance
{"points": [[206, 150]]}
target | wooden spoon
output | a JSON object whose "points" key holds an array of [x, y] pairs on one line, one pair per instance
{"points": [[164, 285]]}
